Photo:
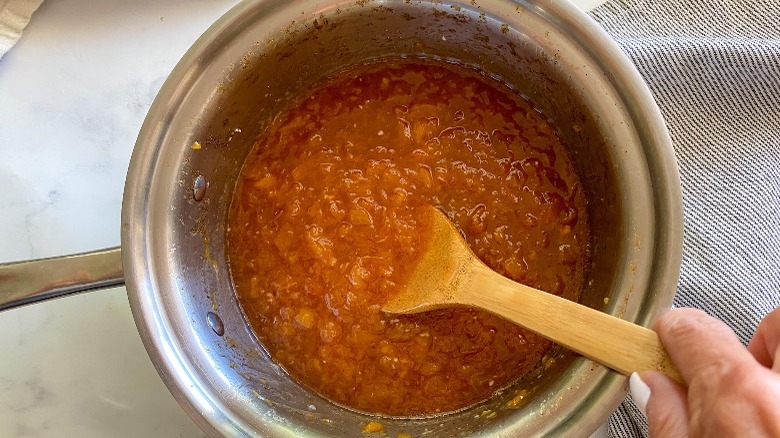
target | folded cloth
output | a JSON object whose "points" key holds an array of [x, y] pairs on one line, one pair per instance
{"points": [[14, 16], [714, 69]]}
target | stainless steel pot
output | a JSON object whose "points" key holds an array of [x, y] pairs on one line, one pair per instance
{"points": [[241, 72]]}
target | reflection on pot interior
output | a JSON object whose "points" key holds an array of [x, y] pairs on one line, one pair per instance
{"points": [[323, 227]]}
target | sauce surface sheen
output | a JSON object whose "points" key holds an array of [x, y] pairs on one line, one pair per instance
{"points": [[324, 226]]}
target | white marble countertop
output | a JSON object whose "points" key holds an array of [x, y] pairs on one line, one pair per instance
{"points": [[73, 94]]}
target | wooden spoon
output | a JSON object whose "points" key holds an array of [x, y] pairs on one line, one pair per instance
{"points": [[449, 274]]}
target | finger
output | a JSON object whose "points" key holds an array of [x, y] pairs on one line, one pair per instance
{"points": [[696, 342], [667, 407], [765, 345]]}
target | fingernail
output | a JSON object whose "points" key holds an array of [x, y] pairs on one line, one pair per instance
{"points": [[640, 392]]}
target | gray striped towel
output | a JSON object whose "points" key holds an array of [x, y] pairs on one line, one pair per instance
{"points": [[714, 69]]}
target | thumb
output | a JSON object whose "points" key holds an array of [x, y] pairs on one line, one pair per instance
{"points": [[664, 401]]}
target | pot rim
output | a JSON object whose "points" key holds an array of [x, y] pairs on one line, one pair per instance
{"points": [[155, 329]]}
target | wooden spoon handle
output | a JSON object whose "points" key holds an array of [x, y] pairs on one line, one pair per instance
{"points": [[610, 341]]}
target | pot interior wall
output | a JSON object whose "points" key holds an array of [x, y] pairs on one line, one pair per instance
{"points": [[256, 70]]}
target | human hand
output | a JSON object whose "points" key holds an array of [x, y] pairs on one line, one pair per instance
{"points": [[732, 391]]}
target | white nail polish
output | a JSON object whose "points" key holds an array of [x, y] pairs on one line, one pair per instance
{"points": [[640, 392]]}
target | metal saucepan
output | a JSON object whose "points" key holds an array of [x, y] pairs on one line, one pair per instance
{"points": [[241, 72]]}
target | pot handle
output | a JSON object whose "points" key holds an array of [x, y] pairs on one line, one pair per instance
{"points": [[31, 281]]}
